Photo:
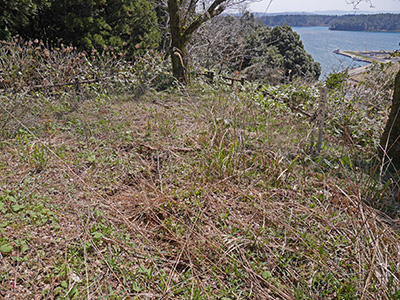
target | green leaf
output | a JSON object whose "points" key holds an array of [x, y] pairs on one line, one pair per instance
{"points": [[4, 224], [17, 207], [24, 248], [73, 292], [144, 270], [11, 198], [97, 235], [266, 275], [6, 248], [347, 161], [64, 284], [136, 288], [91, 158]]}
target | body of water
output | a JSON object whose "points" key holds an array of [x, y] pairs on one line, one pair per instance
{"points": [[321, 42]]}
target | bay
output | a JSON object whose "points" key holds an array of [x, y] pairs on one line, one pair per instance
{"points": [[321, 42]]}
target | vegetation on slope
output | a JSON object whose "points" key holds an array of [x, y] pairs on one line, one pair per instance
{"points": [[127, 189]]}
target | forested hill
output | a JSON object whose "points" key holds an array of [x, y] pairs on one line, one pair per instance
{"points": [[299, 20], [379, 22]]}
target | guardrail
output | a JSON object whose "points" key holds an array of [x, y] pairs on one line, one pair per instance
{"points": [[211, 75]]}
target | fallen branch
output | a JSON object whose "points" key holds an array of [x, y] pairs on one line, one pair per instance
{"points": [[76, 83]]}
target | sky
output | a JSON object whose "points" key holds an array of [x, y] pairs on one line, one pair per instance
{"points": [[321, 5]]}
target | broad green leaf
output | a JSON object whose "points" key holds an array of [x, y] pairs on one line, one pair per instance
{"points": [[266, 275], [17, 207], [24, 248], [136, 288], [91, 158], [11, 198], [6, 248], [97, 235]]}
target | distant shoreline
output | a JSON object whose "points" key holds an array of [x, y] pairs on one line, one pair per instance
{"points": [[387, 22], [398, 30], [329, 28]]}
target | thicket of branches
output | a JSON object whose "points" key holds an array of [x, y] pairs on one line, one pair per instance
{"points": [[237, 44]]}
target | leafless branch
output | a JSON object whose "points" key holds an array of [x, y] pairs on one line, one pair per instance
{"points": [[355, 3]]}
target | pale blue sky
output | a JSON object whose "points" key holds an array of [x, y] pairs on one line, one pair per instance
{"points": [[321, 5]]}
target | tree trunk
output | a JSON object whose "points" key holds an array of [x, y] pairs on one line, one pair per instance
{"points": [[390, 139], [179, 42], [181, 30], [180, 65]]}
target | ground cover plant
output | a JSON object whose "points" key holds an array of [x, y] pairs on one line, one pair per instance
{"points": [[139, 188]]}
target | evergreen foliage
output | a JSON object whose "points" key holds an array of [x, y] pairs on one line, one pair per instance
{"points": [[16, 16], [296, 59], [126, 24]]}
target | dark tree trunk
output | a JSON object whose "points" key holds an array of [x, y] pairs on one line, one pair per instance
{"points": [[180, 66], [181, 30], [178, 50], [390, 139]]}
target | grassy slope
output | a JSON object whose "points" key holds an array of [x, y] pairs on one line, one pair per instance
{"points": [[197, 194]]}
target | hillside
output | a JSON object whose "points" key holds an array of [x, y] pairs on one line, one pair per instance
{"points": [[135, 187], [377, 22], [299, 20], [382, 22]]}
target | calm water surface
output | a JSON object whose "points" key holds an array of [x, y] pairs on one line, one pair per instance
{"points": [[321, 42]]}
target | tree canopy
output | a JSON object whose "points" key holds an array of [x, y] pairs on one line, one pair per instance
{"points": [[244, 44], [87, 24], [17, 15]]}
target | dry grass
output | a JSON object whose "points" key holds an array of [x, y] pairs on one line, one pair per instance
{"points": [[198, 194]]}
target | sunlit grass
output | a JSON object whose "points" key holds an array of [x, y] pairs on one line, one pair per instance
{"points": [[207, 192]]}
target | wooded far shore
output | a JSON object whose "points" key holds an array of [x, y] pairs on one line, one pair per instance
{"points": [[379, 22]]}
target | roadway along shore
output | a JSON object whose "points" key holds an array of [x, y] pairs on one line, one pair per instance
{"points": [[366, 56]]}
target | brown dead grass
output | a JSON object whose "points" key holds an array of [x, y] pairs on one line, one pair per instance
{"points": [[191, 187]]}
